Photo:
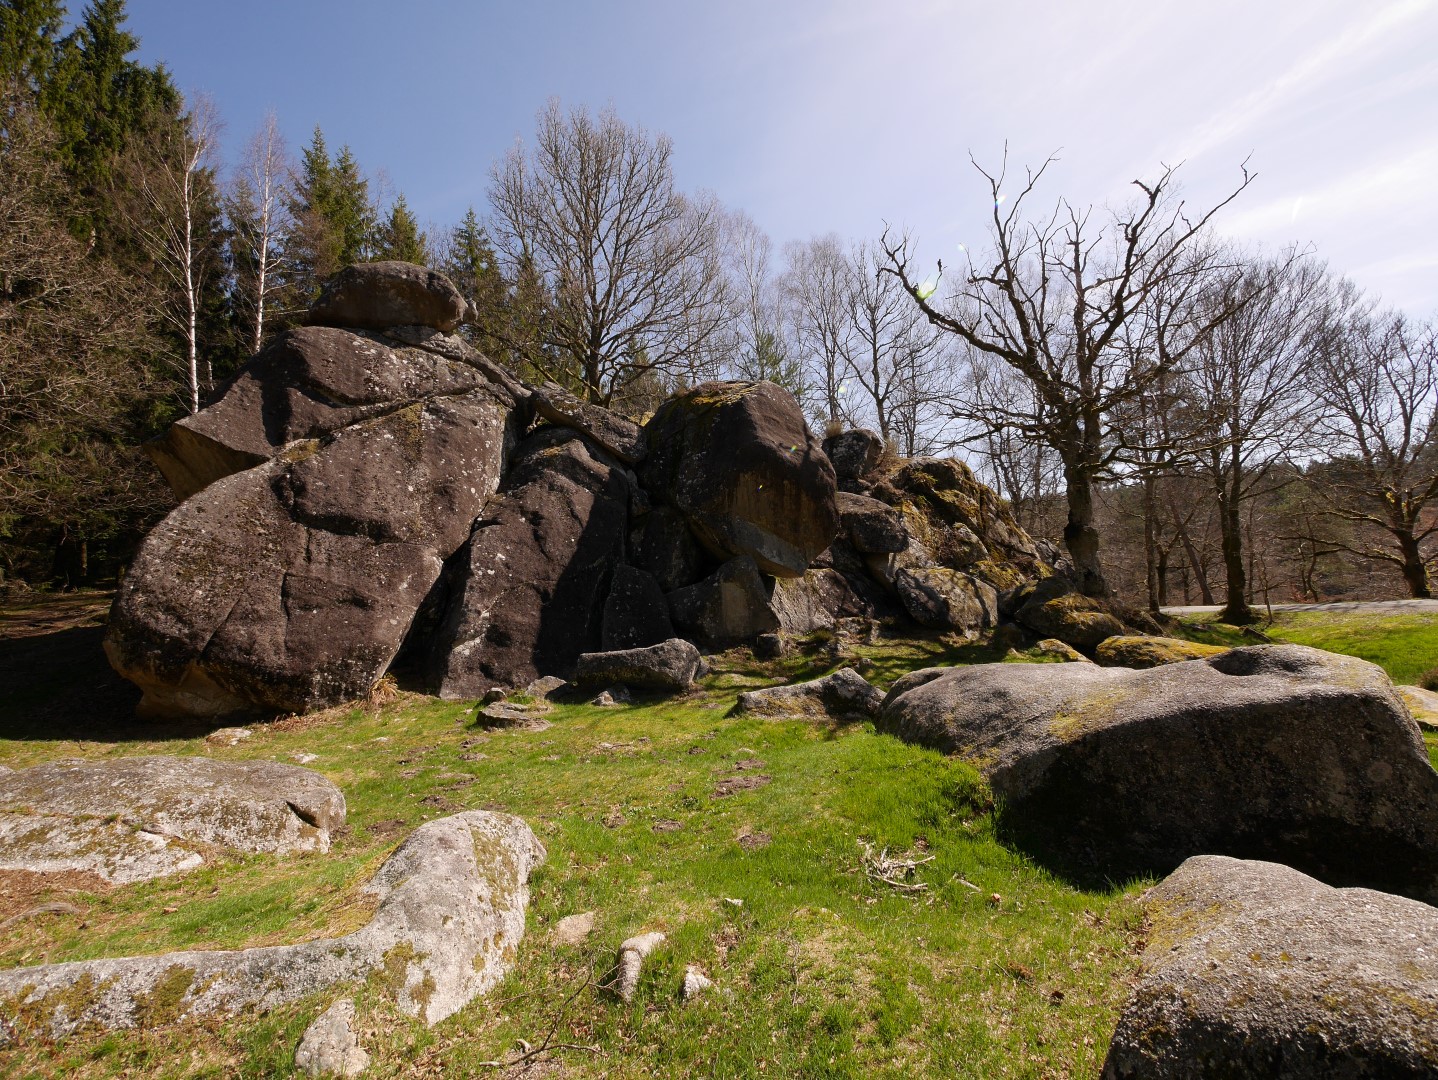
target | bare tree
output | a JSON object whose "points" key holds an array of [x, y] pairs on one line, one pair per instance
{"points": [[258, 216], [632, 265], [892, 355], [169, 180], [1377, 374], [1246, 404], [757, 348], [816, 288], [1054, 305]]}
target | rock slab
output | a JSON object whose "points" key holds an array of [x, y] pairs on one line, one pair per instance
{"points": [[451, 912], [1270, 751], [1255, 970], [842, 695], [669, 666], [329, 1046], [132, 819]]}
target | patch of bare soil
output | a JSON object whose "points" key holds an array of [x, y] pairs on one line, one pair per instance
{"points": [[26, 894], [731, 784]]}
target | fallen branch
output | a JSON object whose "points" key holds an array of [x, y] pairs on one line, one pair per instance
{"points": [[894, 871]]}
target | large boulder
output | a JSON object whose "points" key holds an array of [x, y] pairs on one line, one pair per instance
{"points": [[945, 599], [291, 586], [728, 607], [738, 461], [1272, 751], [134, 818], [447, 928], [618, 437], [527, 591], [661, 545], [871, 525], [1254, 970], [307, 384], [669, 666], [816, 601], [377, 295]]}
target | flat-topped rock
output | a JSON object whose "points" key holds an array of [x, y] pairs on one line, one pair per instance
{"points": [[131, 819], [1272, 751], [378, 295], [1255, 970]]}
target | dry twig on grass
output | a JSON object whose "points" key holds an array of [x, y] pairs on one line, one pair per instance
{"points": [[895, 871]]}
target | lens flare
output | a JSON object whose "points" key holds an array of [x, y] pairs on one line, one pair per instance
{"points": [[1001, 200], [927, 288]]}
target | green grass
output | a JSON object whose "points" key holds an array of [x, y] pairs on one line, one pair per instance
{"points": [[997, 969], [1404, 645]]}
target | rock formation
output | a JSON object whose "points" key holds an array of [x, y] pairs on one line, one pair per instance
{"points": [[370, 489]]}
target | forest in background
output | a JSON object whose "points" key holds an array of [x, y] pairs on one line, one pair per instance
{"points": [[1198, 421]]}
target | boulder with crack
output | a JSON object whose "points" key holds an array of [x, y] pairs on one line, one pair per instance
{"points": [[528, 589], [450, 919], [1271, 751], [1252, 969], [132, 819]]}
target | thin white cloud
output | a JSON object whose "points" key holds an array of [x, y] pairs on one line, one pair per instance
{"points": [[1328, 62]]}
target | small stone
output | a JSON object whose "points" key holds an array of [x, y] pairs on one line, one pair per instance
{"points": [[305, 758], [228, 736], [632, 952], [493, 694], [615, 695], [546, 686], [695, 983], [573, 929], [329, 1046], [768, 646]]}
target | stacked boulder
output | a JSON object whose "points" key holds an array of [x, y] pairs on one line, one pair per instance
{"points": [[371, 491]]}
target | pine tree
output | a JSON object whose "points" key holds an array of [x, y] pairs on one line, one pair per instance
{"points": [[399, 237], [332, 218], [30, 42]]}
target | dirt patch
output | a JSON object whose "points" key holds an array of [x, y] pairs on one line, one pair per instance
{"points": [[667, 825], [25, 891], [752, 841], [731, 784]]}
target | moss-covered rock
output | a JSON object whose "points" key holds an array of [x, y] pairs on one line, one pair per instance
{"points": [[1138, 651]]}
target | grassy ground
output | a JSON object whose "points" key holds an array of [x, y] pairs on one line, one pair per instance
{"points": [[1405, 645], [997, 968]]}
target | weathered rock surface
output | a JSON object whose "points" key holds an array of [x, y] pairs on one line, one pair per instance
{"points": [[1255, 970], [1066, 653], [947, 599], [632, 952], [636, 614], [618, 437], [871, 526], [1273, 751], [131, 819], [1138, 651], [451, 912], [291, 586], [377, 295], [841, 695], [528, 589], [329, 1046], [309, 383], [1422, 705], [1055, 609], [738, 461], [671, 666], [855, 455], [729, 606]]}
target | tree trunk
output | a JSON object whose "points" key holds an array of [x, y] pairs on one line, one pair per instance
{"points": [[1080, 536], [1150, 546], [1236, 611], [1195, 564], [1162, 574], [1415, 574]]}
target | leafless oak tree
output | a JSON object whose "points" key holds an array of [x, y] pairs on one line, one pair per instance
{"points": [[1055, 304], [631, 265]]}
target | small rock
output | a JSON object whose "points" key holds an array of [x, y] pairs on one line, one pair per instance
{"points": [[1064, 652], [228, 736], [843, 695], [615, 695], [632, 952], [493, 694], [545, 687], [768, 646], [513, 716], [573, 929], [330, 1046], [695, 983], [305, 758]]}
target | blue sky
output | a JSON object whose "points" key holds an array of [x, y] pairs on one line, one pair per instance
{"points": [[840, 116]]}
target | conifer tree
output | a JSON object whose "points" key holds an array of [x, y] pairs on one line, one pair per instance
{"points": [[333, 220], [399, 236]]}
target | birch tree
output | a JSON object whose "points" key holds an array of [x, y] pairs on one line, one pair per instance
{"points": [[258, 218]]}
